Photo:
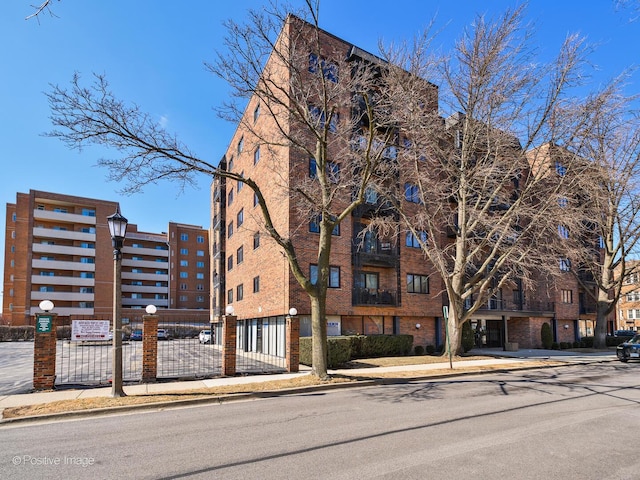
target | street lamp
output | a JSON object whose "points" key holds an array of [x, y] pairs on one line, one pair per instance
{"points": [[46, 306], [118, 230]]}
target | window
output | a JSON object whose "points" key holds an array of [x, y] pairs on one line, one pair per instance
{"points": [[567, 296], [84, 274], [200, 276], [200, 287], [230, 263], [230, 230], [184, 275], [230, 164], [561, 169], [240, 217], [563, 231], [88, 212], [328, 69], [563, 202], [46, 289], [87, 260], [240, 145], [256, 240], [319, 117], [417, 283], [255, 199], [184, 263], [414, 242], [86, 289], [184, 237], [184, 251], [411, 193], [334, 276], [200, 264], [61, 210], [230, 295], [256, 156], [367, 280], [239, 292], [240, 183], [199, 299], [565, 265], [199, 253], [200, 239], [230, 197], [332, 168], [136, 295], [239, 255], [183, 286], [314, 226], [50, 274], [631, 278], [370, 196], [256, 113], [633, 296], [633, 314], [256, 284], [87, 245], [184, 298]]}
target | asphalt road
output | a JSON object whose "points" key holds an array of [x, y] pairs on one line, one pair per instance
{"points": [[569, 422]]}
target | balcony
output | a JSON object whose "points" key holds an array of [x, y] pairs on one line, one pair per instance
{"points": [[379, 254], [494, 304], [374, 297]]}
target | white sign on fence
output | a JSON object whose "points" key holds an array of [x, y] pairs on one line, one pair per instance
{"points": [[89, 330]]}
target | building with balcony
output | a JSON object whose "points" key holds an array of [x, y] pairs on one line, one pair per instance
{"points": [[58, 248]]}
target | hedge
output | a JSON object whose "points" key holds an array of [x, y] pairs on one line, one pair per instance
{"points": [[344, 348], [16, 333]]}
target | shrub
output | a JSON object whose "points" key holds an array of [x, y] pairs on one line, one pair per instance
{"points": [[431, 349], [555, 346], [576, 344], [418, 350], [10, 333], [587, 341], [468, 337], [546, 336], [338, 351]]}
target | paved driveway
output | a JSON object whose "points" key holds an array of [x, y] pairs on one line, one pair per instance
{"points": [[16, 367]]}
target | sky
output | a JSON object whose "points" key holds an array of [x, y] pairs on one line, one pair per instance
{"points": [[152, 52]]}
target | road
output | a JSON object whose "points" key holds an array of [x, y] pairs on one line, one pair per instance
{"points": [[570, 422]]}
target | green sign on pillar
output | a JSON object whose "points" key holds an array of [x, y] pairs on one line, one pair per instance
{"points": [[43, 323]]}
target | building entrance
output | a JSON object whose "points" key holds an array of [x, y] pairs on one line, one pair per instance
{"points": [[495, 333]]}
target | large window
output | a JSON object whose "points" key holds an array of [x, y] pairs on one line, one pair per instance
{"points": [[368, 280], [565, 265], [417, 283], [328, 69], [314, 226], [334, 276], [412, 241], [411, 193], [567, 296], [184, 237]]}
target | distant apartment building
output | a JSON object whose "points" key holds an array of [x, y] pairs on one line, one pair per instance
{"points": [[378, 284], [628, 308], [58, 248]]}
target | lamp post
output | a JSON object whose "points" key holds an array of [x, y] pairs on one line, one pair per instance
{"points": [[118, 230]]}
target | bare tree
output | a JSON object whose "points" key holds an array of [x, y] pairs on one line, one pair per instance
{"points": [[287, 65], [477, 196], [608, 139]]}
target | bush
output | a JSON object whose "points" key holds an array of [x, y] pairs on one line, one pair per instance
{"points": [[576, 344], [418, 350], [468, 337], [546, 336], [10, 333], [431, 349], [587, 342], [555, 346], [345, 348]]}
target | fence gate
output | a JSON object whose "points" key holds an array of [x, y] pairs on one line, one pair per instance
{"points": [[184, 354], [80, 362]]}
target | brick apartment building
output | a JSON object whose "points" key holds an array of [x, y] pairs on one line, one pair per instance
{"points": [[379, 286], [58, 248], [627, 312]]}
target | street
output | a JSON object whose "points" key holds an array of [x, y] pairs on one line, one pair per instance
{"points": [[576, 421]]}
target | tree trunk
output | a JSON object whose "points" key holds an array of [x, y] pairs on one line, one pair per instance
{"points": [[602, 310], [319, 335]]}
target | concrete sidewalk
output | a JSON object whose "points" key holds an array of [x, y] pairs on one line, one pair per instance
{"points": [[497, 358]]}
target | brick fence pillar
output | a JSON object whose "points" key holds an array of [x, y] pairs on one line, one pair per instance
{"points": [[229, 328], [149, 348], [293, 344], [44, 351]]}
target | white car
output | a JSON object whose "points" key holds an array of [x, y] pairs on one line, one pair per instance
{"points": [[205, 336]]}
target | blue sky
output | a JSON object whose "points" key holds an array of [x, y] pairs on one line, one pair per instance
{"points": [[153, 51]]}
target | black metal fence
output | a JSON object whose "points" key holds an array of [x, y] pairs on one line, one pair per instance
{"points": [[90, 362], [184, 353]]}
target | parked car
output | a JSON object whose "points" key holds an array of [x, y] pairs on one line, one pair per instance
{"points": [[205, 336], [624, 333], [629, 350], [136, 335], [163, 334]]}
